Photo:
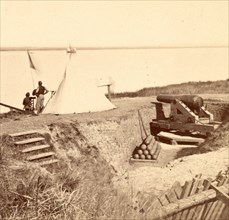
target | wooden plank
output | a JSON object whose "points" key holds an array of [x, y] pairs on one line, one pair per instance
{"points": [[195, 185], [163, 200], [199, 209], [218, 210], [34, 148], [29, 141], [177, 216], [48, 162], [224, 214], [222, 181], [206, 184], [185, 193], [177, 189], [222, 198], [213, 205], [12, 107], [142, 160], [179, 138], [210, 209], [171, 196], [23, 133], [39, 156], [220, 192], [193, 191], [186, 189]]}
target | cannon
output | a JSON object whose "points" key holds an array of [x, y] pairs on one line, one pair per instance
{"points": [[193, 102], [187, 113]]}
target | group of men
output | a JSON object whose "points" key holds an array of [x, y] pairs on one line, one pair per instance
{"points": [[39, 92]]}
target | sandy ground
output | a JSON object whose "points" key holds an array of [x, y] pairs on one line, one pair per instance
{"points": [[116, 133], [156, 179]]}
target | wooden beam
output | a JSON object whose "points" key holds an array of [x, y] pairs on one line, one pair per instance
{"points": [[12, 107], [221, 193]]}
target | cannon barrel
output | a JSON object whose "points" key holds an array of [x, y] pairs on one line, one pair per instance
{"points": [[194, 102]]}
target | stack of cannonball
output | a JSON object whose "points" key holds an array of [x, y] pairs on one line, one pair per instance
{"points": [[149, 149]]}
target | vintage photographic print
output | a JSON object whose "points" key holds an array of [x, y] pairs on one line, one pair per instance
{"points": [[114, 110]]}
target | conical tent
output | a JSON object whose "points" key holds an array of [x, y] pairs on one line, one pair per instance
{"points": [[77, 93], [21, 70], [49, 67], [15, 79]]}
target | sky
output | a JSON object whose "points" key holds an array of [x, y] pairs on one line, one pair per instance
{"points": [[166, 24]]}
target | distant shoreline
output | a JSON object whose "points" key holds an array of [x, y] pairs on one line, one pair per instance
{"points": [[112, 48]]}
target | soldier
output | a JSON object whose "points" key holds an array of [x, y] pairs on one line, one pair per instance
{"points": [[27, 102], [40, 92]]}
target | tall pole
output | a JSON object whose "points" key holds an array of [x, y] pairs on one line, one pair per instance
{"points": [[108, 90]]}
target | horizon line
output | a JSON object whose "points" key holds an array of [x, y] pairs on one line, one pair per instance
{"points": [[24, 48]]}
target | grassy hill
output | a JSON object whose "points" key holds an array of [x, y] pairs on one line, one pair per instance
{"points": [[209, 87]]}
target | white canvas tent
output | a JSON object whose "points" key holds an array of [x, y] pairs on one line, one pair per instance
{"points": [[77, 93], [17, 78]]}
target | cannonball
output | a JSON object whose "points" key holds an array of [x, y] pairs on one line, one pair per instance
{"points": [[143, 147], [148, 139], [149, 157], [146, 152], [136, 156], [149, 147], [142, 156], [140, 152], [152, 152]]}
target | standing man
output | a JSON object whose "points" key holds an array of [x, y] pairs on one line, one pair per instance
{"points": [[40, 92]]}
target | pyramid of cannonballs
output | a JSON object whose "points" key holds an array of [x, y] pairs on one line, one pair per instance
{"points": [[149, 149]]}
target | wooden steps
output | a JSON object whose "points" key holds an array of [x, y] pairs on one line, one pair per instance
{"points": [[48, 162], [39, 156], [34, 148], [23, 133], [29, 141]]}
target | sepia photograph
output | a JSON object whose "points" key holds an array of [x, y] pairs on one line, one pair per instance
{"points": [[114, 110]]}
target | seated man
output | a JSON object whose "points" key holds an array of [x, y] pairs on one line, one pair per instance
{"points": [[27, 102]]}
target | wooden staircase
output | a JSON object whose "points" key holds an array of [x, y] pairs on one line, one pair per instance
{"points": [[34, 148]]}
